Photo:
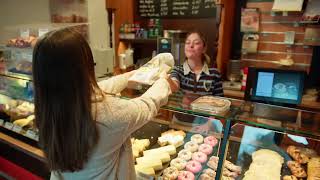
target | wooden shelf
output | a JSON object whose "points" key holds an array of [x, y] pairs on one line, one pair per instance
{"points": [[140, 40]]}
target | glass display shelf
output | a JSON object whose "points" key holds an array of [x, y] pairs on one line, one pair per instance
{"points": [[16, 88], [245, 140], [181, 102], [154, 129], [16, 76], [290, 120]]}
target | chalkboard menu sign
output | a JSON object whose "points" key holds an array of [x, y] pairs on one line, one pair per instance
{"points": [[177, 8]]}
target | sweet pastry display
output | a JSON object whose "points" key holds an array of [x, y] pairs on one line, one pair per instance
{"points": [[211, 104], [164, 157], [25, 121], [170, 149], [232, 167], [186, 175], [197, 138], [205, 148], [298, 155], [178, 163], [314, 168], [296, 169], [302, 156], [144, 170], [266, 164], [185, 154], [155, 163], [191, 158], [208, 174], [170, 173], [191, 146], [213, 162], [139, 145], [200, 157], [22, 42], [227, 173], [19, 109], [172, 137], [193, 166], [211, 140]]}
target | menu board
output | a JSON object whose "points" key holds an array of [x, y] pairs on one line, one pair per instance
{"points": [[177, 8]]}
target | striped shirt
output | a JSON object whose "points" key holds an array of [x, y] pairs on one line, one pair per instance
{"points": [[207, 83]]}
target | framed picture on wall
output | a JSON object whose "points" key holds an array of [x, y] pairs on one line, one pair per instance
{"points": [[250, 20]]}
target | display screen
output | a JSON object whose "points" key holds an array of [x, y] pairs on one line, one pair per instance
{"points": [[277, 86]]}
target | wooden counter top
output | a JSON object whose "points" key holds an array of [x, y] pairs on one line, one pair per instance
{"points": [[26, 148]]}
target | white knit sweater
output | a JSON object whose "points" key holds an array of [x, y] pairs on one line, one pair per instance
{"points": [[116, 120]]}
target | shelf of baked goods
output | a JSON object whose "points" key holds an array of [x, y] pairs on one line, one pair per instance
{"points": [[268, 154], [16, 76], [165, 148], [16, 88], [17, 119], [278, 118]]}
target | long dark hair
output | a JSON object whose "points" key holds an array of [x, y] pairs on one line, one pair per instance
{"points": [[64, 83]]}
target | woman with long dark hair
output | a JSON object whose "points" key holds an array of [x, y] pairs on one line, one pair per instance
{"points": [[84, 130]]}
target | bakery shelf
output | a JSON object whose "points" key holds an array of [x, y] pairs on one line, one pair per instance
{"points": [[140, 40], [17, 76], [245, 140], [153, 130], [289, 120], [16, 96], [178, 102]]}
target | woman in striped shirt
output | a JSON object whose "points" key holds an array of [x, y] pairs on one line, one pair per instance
{"points": [[195, 78]]}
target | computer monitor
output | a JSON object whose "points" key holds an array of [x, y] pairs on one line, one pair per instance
{"points": [[275, 86]]}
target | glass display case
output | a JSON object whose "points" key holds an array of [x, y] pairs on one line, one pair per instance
{"points": [[273, 142], [234, 136], [16, 91], [202, 131]]}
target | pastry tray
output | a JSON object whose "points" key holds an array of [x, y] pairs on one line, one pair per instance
{"points": [[152, 131], [211, 104]]}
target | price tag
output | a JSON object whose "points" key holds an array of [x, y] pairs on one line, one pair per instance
{"points": [[24, 33], [8, 125], [42, 31], [36, 137], [1, 122], [31, 134], [17, 128]]}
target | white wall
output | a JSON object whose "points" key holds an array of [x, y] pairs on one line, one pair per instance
{"points": [[34, 14], [99, 37]]}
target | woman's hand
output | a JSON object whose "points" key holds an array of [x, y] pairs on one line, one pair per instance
{"points": [[130, 73]]}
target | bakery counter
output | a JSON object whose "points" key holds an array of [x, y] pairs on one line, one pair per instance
{"points": [[305, 104], [168, 148], [267, 154], [295, 121], [218, 107]]}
